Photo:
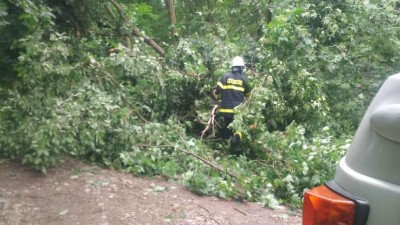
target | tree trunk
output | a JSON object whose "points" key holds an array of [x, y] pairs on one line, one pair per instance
{"points": [[267, 16], [269, 12], [172, 20]]}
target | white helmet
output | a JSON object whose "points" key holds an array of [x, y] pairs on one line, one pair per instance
{"points": [[237, 61]]}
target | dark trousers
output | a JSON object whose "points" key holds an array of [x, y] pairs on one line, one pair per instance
{"points": [[226, 132]]}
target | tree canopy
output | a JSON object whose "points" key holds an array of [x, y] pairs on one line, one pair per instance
{"points": [[127, 84]]}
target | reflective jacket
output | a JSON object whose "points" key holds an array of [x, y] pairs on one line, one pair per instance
{"points": [[233, 87]]}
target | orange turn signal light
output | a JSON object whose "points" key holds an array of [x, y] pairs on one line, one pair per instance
{"points": [[322, 206]]}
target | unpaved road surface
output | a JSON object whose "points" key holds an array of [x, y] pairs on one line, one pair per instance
{"points": [[78, 193]]}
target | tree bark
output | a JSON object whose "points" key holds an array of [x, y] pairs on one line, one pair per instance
{"points": [[172, 20], [136, 30], [269, 12], [268, 18]]}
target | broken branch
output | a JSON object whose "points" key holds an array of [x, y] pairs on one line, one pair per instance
{"points": [[210, 122], [136, 30]]}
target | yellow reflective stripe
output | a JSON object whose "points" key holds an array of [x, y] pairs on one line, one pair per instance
{"points": [[239, 133], [230, 87], [226, 110]]}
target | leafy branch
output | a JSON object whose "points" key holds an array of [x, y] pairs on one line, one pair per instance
{"points": [[117, 85]]}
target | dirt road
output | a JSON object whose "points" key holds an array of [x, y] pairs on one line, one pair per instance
{"points": [[77, 193]]}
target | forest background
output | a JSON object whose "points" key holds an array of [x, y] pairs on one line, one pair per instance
{"points": [[127, 84]]}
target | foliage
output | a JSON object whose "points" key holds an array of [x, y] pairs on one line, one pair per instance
{"points": [[321, 42], [70, 87]]}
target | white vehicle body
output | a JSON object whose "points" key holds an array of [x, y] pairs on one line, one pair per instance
{"points": [[369, 174], [371, 167]]}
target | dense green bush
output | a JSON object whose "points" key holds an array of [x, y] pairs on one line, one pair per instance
{"points": [[73, 88]]}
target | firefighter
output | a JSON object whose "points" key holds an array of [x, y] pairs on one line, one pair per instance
{"points": [[231, 89]]}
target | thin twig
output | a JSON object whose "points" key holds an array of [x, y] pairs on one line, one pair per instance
{"points": [[215, 220], [240, 211], [203, 207], [265, 163], [156, 146]]}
